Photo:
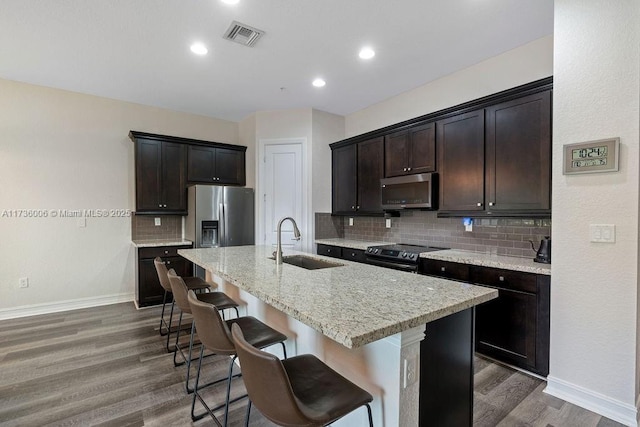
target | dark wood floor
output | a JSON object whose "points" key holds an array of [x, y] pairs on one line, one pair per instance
{"points": [[107, 366]]}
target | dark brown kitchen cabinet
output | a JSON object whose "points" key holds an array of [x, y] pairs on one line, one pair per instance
{"points": [[160, 177], [518, 154], [514, 328], [350, 254], [149, 291], [410, 151], [461, 162], [213, 165], [356, 172]]}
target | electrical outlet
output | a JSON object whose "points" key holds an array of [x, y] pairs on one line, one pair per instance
{"points": [[157, 222], [23, 282], [387, 222], [351, 222], [410, 372]]}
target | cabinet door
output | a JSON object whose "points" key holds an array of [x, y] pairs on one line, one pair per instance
{"points": [[150, 292], [422, 149], [229, 166], [201, 164], [174, 189], [519, 154], [396, 154], [506, 328], [461, 162], [344, 184], [148, 175], [370, 170]]}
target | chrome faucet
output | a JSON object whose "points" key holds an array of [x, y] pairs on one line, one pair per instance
{"points": [[296, 233]]}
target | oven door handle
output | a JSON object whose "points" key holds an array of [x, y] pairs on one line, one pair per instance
{"points": [[394, 265]]}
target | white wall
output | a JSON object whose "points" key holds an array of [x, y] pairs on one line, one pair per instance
{"points": [[594, 292], [525, 64], [63, 150]]}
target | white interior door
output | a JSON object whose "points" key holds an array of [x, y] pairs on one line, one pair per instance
{"points": [[282, 187]]}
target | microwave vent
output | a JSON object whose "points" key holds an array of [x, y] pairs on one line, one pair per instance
{"points": [[243, 34]]}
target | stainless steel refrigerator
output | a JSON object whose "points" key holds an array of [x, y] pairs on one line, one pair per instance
{"points": [[220, 216]]}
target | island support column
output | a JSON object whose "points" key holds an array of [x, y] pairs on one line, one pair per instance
{"points": [[446, 371]]}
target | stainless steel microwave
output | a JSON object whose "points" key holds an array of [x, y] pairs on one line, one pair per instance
{"points": [[410, 191]]}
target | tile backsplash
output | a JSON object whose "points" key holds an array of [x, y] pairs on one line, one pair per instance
{"points": [[501, 236], [143, 227]]}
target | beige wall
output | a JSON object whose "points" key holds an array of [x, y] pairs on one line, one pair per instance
{"points": [[594, 292], [525, 64], [63, 150]]}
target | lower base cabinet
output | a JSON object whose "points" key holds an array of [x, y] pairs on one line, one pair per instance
{"points": [[513, 328], [149, 291], [356, 255]]}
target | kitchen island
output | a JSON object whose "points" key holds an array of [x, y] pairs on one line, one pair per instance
{"points": [[366, 322]]}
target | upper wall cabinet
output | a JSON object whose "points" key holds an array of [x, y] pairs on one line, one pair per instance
{"points": [[163, 164], [461, 162], [518, 150], [213, 165], [410, 151], [160, 177], [493, 157], [356, 172]]}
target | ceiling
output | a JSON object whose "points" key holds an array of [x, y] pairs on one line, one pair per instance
{"points": [[138, 50]]}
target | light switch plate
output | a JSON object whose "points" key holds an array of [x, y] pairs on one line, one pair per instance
{"points": [[602, 233]]}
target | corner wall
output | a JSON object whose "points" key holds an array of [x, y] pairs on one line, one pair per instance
{"points": [[64, 150], [594, 291]]}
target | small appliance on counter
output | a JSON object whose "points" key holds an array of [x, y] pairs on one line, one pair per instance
{"points": [[543, 254]]}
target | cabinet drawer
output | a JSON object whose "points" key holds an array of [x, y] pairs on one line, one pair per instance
{"points": [[507, 279], [448, 270], [332, 251], [353, 255], [161, 251]]}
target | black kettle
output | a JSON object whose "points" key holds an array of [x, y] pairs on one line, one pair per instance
{"points": [[544, 251]]}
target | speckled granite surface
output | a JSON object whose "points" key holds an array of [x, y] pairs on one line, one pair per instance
{"points": [[153, 243], [351, 244], [353, 304], [487, 260]]}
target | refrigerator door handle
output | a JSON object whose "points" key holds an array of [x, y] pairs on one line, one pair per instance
{"points": [[223, 226]]}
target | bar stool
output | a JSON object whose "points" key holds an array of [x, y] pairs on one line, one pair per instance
{"points": [[215, 335], [194, 283], [179, 290], [299, 391]]}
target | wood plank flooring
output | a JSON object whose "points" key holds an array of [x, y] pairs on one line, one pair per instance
{"points": [[107, 366]]}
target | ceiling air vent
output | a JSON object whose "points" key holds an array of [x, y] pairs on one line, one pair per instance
{"points": [[243, 34]]}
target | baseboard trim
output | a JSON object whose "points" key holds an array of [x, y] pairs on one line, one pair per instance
{"points": [[56, 307], [593, 401]]}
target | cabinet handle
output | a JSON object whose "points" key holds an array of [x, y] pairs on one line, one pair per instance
{"points": [[166, 252], [168, 262], [404, 169], [357, 207], [501, 278], [160, 206], [491, 203], [353, 207], [408, 169], [328, 251], [479, 204], [443, 269]]}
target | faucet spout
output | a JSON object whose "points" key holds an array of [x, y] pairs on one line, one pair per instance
{"points": [[296, 236]]}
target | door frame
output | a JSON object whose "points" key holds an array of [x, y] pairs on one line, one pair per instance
{"points": [[307, 243]]}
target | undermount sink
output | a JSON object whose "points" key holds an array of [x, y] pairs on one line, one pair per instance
{"points": [[309, 263]]}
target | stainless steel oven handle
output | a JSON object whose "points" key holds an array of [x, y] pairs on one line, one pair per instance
{"points": [[404, 267]]}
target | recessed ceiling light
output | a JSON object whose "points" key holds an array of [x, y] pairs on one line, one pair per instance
{"points": [[199, 49], [366, 53], [231, 1], [319, 83]]}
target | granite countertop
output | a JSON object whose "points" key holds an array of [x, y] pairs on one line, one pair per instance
{"points": [[353, 304], [351, 244], [154, 243], [525, 265]]}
